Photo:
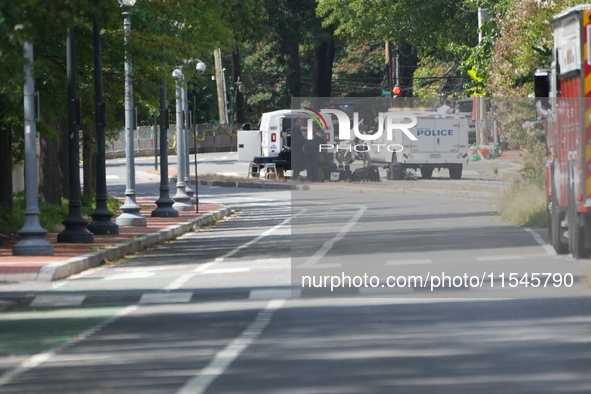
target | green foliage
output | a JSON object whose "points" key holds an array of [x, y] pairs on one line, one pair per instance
{"points": [[522, 42], [359, 69], [187, 30], [431, 71], [264, 79], [426, 24], [50, 217]]}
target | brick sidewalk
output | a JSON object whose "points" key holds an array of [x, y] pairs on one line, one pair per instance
{"points": [[24, 266]]}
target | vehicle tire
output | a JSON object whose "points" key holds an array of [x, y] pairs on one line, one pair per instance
{"points": [[426, 173], [344, 156], [455, 172], [576, 243], [555, 230]]}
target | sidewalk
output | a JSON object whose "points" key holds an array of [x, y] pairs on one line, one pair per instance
{"points": [[70, 258]]}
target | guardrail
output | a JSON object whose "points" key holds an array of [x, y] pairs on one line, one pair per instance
{"points": [[206, 137]]}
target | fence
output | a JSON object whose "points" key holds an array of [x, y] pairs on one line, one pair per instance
{"points": [[209, 138]]}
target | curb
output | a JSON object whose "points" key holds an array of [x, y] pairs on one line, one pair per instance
{"points": [[254, 185], [73, 265]]}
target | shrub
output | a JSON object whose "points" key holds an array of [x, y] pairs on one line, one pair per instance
{"points": [[523, 204]]}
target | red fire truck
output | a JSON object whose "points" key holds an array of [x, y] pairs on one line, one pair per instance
{"points": [[567, 111]]}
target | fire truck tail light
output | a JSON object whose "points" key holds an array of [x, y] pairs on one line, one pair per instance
{"points": [[273, 137], [327, 137], [465, 155], [405, 155]]}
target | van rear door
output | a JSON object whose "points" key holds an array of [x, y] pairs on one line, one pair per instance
{"points": [[446, 135], [425, 142]]}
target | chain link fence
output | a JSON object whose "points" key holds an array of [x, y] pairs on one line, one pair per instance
{"points": [[207, 137]]}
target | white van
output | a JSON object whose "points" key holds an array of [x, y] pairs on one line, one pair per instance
{"points": [[272, 136], [442, 142]]}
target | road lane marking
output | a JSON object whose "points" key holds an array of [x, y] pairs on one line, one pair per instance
{"points": [[316, 257], [549, 249], [227, 270], [40, 358], [385, 290], [130, 275], [57, 300], [500, 258], [269, 294], [180, 282], [224, 358], [166, 298], [409, 262]]}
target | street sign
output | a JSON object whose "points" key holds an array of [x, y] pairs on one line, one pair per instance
{"points": [[385, 93]]}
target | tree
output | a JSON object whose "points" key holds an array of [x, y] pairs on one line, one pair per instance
{"points": [[418, 28], [524, 44], [187, 29]]}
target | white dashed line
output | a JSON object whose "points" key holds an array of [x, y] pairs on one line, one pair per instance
{"points": [[166, 298], [316, 257], [409, 262], [224, 358], [269, 294], [57, 300]]}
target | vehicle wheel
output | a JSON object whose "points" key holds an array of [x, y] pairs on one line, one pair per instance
{"points": [[426, 173], [455, 172], [576, 243], [555, 230], [344, 156]]}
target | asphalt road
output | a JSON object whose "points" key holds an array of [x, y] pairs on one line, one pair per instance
{"points": [[223, 310]]}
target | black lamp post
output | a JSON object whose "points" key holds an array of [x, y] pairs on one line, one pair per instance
{"points": [[101, 217], [75, 231], [164, 203]]}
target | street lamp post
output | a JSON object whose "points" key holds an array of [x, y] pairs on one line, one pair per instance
{"points": [[188, 188], [33, 242], [200, 67], [101, 217], [131, 215], [75, 231], [164, 203], [182, 201]]}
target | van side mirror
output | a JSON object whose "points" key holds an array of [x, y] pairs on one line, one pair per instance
{"points": [[246, 126]]}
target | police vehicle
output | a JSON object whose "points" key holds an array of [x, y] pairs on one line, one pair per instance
{"points": [[271, 142], [442, 142]]}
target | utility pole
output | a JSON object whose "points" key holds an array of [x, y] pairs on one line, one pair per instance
{"points": [[481, 125], [219, 81]]}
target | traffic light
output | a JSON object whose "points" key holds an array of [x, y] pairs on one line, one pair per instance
{"points": [[396, 96]]}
